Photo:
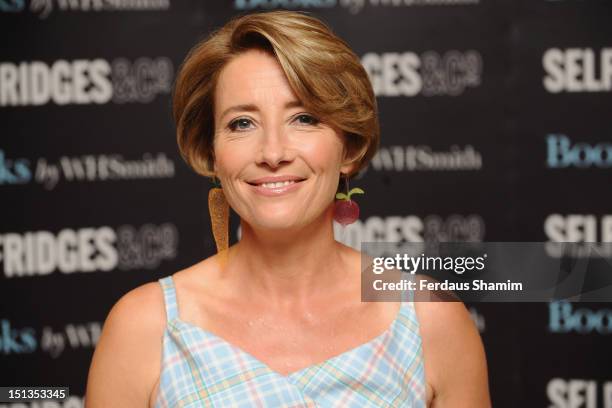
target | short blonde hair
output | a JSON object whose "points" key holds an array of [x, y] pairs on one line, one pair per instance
{"points": [[323, 72]]}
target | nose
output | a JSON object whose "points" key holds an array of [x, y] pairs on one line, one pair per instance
{"points": [[273, 148]]}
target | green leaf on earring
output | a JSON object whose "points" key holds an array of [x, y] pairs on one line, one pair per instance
{"points": [[355, 190], [341, 196]]}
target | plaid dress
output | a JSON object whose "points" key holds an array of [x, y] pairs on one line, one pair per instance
{"points": [[200, 369]]}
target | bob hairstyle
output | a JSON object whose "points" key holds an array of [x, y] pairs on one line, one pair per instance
{"points": [[323, 72]]}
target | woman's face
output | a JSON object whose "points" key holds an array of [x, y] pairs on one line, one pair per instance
{"points": [[278, 165]]}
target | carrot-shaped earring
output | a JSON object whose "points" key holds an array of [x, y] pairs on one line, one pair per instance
{"points": [[219, 220]]}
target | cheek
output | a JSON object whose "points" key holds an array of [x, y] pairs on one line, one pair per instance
{"points": [[230, 161], [227, 159], [226, 168], [324, 156], [325, 159]]}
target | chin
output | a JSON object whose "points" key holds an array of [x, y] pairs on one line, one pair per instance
{"points": [[277, 224], [277, 220], [275, 227]]}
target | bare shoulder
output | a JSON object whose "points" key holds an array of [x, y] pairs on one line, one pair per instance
{"points": [[455, 363], [126, 362]]}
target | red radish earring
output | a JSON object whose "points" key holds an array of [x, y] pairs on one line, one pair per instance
{"points": [[346, 211]]}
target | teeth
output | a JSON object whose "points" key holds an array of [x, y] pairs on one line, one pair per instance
{"points": [[278, 184]]}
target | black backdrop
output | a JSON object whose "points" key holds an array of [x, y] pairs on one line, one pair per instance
{"points": [[495, 118]]}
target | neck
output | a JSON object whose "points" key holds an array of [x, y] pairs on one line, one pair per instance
{"points": [[289, 268]]}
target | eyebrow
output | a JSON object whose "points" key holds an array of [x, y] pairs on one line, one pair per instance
{"points": [[253, 108]]}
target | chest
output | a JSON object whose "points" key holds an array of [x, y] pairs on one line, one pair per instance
{"points": [[286, 343], [370, 356]]}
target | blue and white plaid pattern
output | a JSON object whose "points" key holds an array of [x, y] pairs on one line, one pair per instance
{"points": [[200, 369]]}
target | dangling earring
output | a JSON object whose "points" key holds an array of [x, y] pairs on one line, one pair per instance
{"points": [[218, 209], [346, 211]]}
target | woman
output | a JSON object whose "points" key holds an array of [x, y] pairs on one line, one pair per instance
{"points": [[278, 109]]}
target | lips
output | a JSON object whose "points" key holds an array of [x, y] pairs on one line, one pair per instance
{"points": [[275, 181], [277, 185]]}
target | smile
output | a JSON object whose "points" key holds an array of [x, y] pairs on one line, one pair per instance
{"points": [[274, 188], [277, 184]]}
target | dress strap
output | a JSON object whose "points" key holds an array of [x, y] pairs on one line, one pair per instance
{"points": [[407, 295], [167, 285]]}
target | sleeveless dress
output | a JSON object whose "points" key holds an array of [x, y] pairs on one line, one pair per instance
{"points": [[200, 369]]}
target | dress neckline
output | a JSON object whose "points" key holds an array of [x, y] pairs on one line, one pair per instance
{"points": [[388, 332]]}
